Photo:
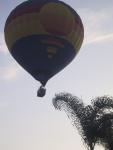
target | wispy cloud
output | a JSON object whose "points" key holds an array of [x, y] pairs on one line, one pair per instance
{"points": [[3, 47], [98, 25], [10, 70], [101, 38], [8, 73]]}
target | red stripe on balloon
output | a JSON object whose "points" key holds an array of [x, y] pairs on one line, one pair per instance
{"points": [[19, 12]]}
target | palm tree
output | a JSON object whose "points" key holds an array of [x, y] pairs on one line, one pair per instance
{"points": [[94, 122]]}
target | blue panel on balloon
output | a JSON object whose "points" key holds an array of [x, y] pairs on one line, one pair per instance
{"points": [[42, 55]]}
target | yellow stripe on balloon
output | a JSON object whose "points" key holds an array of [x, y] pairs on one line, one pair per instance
{"points": [[23, 26], [74, 36]]}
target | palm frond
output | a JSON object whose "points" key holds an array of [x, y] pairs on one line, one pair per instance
{"points": [[102, 102], [76, 111]]}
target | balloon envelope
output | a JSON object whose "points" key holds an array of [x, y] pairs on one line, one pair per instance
{"points": [[43, 36]]}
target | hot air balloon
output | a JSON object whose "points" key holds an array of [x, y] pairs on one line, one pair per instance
{"points": [[43, 36]]}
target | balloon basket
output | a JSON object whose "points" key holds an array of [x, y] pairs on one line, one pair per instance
{"points": [[41, 91]]}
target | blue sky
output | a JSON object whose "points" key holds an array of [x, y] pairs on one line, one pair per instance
{"points": [[28, 122]]}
